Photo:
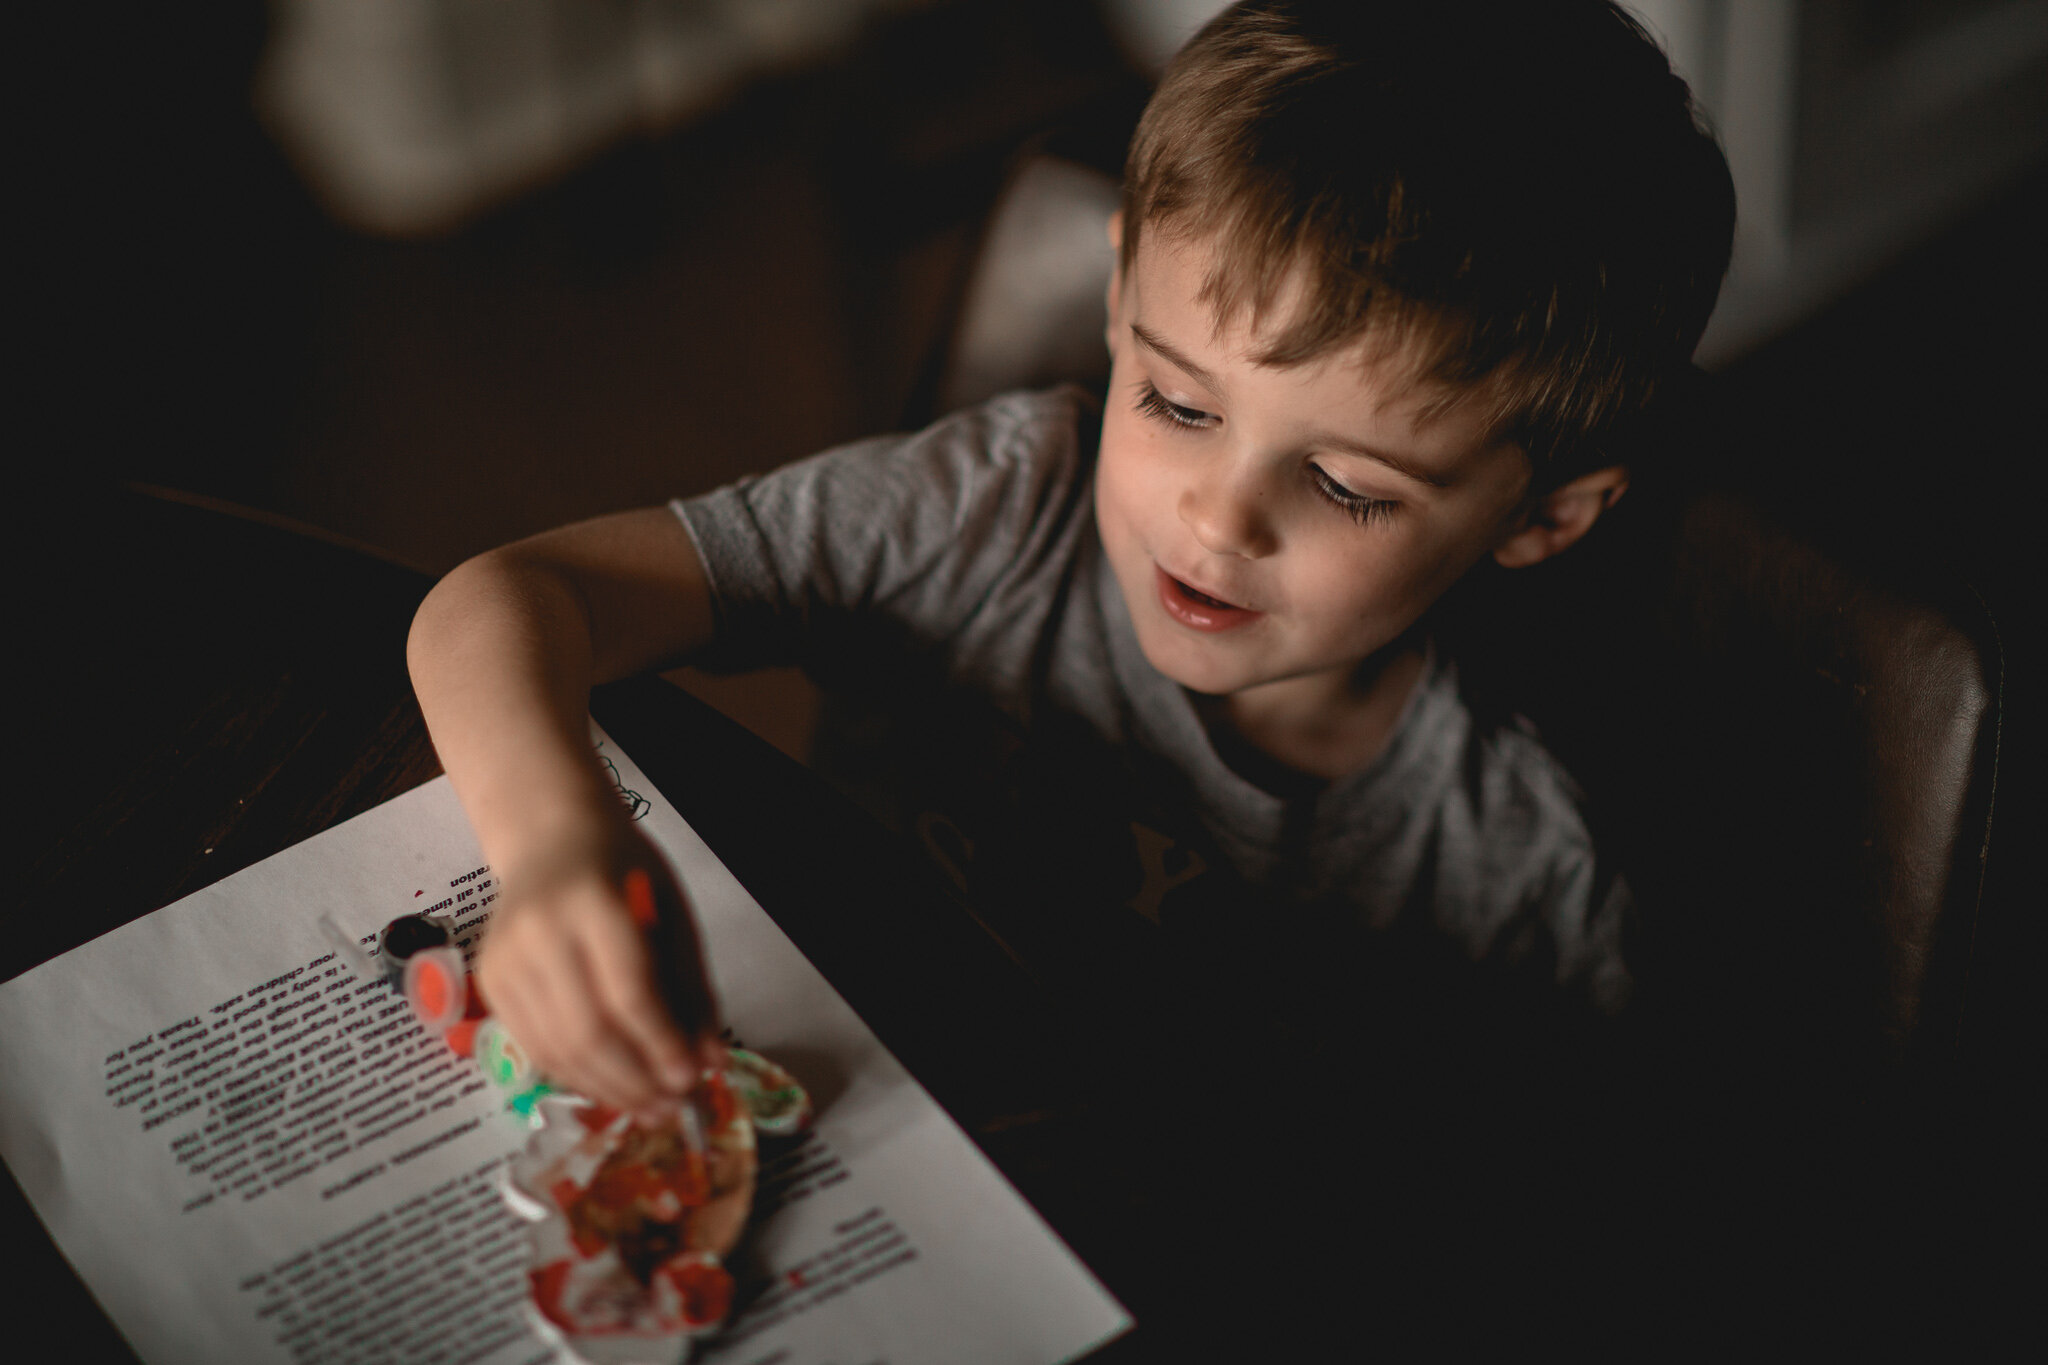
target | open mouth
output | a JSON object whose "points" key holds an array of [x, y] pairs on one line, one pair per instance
{"points": [[1192, 607], [1200, 598]]}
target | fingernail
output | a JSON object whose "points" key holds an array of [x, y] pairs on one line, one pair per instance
{"points": [[678, 1076]]}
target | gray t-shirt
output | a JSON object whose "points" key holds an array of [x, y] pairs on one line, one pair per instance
{"points": [[953, 578]]}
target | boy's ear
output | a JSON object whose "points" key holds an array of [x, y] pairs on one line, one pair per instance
{"points": [[1561, 516]]}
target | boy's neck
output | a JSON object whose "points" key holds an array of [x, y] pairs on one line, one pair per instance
{"points": [[1326, 725]]}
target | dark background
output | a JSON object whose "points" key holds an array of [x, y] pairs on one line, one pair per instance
{"points": [[759, 283]]}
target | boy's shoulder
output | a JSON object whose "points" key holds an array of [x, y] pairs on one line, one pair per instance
{"points": [[955, 462], [945, 534], [1056, 428], [996, 461], [1018, 425]]}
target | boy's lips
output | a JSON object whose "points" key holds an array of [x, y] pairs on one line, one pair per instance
{"points": [[1196, 609]]}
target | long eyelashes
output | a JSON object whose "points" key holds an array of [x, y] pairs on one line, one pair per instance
{"points": [[1360, 508], [1154, 405]]}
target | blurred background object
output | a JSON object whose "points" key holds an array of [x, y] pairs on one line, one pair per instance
{"points": [[1151, 31], [1034, 310], [433, 274], [409, 116], [1855, 129]]}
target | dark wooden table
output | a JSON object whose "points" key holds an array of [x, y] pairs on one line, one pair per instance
{"points": [[216, 687]]}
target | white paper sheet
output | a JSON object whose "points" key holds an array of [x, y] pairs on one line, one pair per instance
{"points": [[250, 1155]]}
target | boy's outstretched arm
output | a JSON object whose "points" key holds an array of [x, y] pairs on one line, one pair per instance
{"points": [[503, 654]]}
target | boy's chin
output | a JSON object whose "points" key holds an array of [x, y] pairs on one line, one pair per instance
{"points": [[1211, 677], [1215, 673]]}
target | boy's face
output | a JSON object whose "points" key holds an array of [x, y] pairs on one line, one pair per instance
{"points": [[1273, 526]]}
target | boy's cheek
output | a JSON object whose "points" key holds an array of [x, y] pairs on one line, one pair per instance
{"points": [[1119, 494]]}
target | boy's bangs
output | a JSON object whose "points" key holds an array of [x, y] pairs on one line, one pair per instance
{"points": [[1517, 198], [1310, 303]]}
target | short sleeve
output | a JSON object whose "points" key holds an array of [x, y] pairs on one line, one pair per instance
{"points": [[907, 534]]}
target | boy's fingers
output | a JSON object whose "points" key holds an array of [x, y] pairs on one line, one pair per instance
{"points": [[588, 992], [666, 935], [576, 1047], [609, 1070], [512, 1007], [623, 979], [538, 1010], [712, 1055], [526, 1005]]}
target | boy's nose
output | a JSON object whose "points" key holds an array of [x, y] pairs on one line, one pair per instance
{"points": [[1228, 515]]}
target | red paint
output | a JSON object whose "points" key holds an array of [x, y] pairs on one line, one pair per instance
{"points": [[548, 1283], [461, 1039], [436, 985], [690, 1178], [1197, 610], [724, 1107], [587, 1240], [706, 1291], [432, 985], [640, 897]]}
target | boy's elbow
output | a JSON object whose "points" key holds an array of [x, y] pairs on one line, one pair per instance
{"points": [[485, 590], [621, 593], [431, 635]]}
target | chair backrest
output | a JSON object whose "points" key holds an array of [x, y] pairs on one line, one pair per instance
{"points": [[1797, 757], [1034, 304], [1904, 684]]}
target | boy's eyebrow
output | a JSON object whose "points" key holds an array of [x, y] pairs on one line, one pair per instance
{"points": [[1345, 446], [1176, 357], [1340, 444]]}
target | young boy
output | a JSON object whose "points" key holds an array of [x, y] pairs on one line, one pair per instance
{"points": [[1393, 282]]}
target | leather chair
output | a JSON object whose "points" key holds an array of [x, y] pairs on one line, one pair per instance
{"points": [[1800, 756]]}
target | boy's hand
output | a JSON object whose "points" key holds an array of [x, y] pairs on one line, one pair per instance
{"points": [[503, 654], [570, 974]]}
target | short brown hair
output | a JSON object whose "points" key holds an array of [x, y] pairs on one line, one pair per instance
{"points": [[1521, 191]]}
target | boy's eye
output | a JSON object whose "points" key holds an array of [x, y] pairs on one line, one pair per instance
{"points": [[1154, 405], [1357, 506]]}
